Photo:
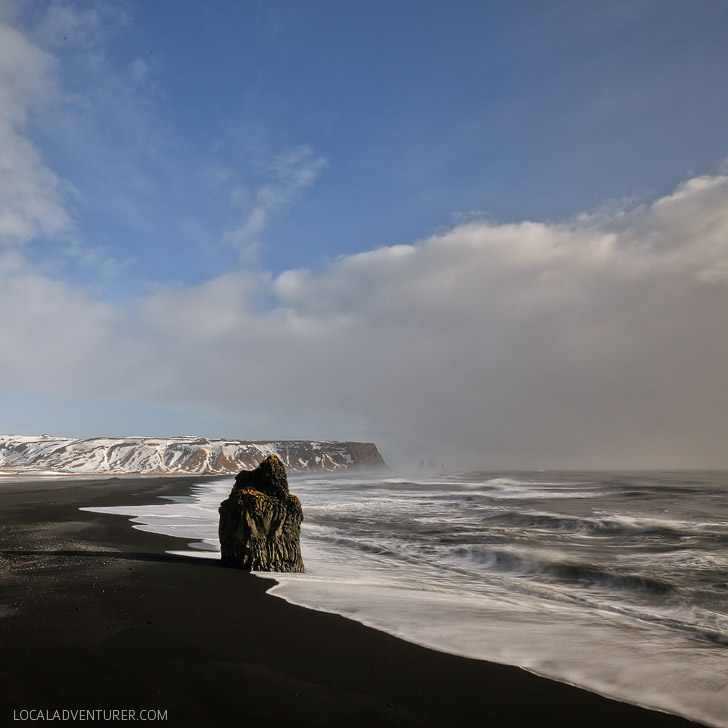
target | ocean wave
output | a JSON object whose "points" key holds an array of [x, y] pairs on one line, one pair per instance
{"points": [[537, 574], [444, 557], [561, 570], [607, 525]]}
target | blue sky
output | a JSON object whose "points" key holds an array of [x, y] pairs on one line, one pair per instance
{"points": [[184, 177]]}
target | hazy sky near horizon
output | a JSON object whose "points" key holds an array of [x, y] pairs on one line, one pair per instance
{"points": [[489, 233]]}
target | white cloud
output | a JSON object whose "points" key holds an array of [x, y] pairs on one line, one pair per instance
{"points": [[56, 339], [95, 116], [68, 23], [139, 71], [523, 345], [291, 172], [31, 195]]}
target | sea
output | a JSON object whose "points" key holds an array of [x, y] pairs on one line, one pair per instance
{"points": [[613, 581]]}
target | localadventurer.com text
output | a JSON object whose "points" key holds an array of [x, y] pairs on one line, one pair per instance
{"points": [[89, 714]]}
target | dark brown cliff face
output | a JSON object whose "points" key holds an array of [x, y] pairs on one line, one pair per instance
{"points": [[365, 456], [260, 521]]}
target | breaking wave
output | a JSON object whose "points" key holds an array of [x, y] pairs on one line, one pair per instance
{"points": [[613, 581]]}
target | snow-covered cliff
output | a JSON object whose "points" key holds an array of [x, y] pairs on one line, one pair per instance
{"points": [[27, 455]]}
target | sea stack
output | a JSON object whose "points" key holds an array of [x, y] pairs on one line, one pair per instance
{"points": [[260, 521]]}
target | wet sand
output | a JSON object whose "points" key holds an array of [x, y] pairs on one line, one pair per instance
{"points": [[95, 615]]}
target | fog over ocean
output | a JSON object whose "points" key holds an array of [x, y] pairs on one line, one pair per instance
{"points": [[614, 581]]}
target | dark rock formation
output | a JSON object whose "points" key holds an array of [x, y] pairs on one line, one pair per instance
{"points": [[364, 456], [260, 521]]}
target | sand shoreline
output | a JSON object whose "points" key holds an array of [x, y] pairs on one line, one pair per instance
{"points": [[96, 615]]}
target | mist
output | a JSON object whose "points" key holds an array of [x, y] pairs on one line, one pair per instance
{"points": [[599, 341]]}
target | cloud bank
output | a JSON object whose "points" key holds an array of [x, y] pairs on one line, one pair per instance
{"points": [[599, 341]]}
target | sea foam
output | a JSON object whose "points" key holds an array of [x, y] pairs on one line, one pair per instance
{"points": [[599, 589]]}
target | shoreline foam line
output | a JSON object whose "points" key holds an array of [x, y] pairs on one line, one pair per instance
{"points": [[315, 592]]}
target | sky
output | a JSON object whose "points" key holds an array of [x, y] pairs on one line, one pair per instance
{"points": [[493, 234]]}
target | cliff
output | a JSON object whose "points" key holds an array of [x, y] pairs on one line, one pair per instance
{"points": [[44, 454]]}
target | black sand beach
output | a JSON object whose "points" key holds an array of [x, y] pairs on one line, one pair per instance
{"points": [[95, 615]]}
